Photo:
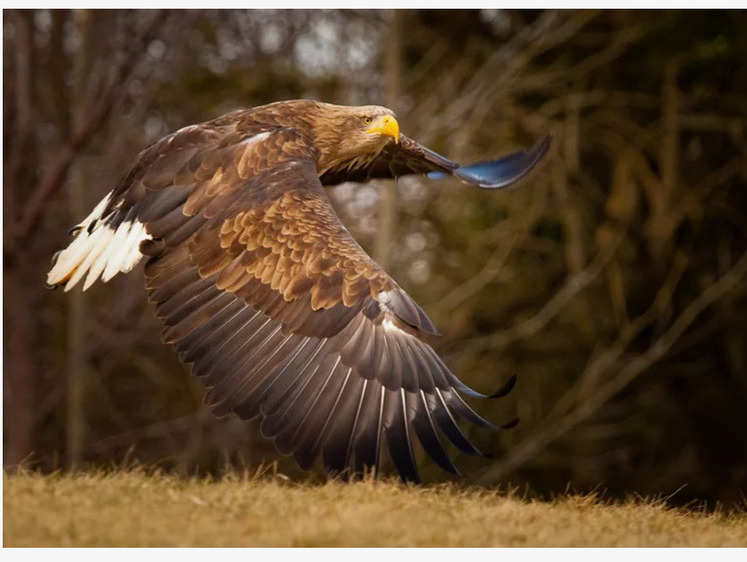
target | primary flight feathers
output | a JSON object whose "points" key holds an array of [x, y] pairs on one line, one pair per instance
{"points": [[263, 290]]}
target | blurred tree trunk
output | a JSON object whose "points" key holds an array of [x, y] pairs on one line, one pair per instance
{"points": [[77, 325], [565, 178], [664, 219], [19, 374], [388, 190]]}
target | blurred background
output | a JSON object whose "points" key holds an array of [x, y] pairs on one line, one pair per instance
{"points": [[612, 281]]}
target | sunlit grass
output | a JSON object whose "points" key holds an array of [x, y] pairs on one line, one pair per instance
{"points": [[133, 508]]}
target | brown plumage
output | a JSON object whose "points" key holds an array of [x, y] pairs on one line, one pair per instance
{"points": [[264, 291]]}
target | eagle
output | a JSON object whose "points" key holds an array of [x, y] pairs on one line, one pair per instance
{"points": [[264, 292]]}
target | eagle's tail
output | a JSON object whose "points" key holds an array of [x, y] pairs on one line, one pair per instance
{"points": [[105, 243]]}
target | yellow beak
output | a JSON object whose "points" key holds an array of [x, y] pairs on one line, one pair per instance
{"points": [[386, 125]]}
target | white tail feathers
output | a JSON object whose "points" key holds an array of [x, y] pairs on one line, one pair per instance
{"points": [[101, 252]]}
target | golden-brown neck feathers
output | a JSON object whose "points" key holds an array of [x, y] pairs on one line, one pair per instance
{"points": [[351, 137]]}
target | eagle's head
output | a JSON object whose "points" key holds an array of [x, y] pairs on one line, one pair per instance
{"points": [[374, 125], [351, 137]]}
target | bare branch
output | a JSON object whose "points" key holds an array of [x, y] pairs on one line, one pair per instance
{"points": [[23, 109], [573, 285], [475, 283], [555, 426], [57, 172]]}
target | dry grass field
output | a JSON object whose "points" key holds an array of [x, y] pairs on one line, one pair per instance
{"points": [[136, 509]]}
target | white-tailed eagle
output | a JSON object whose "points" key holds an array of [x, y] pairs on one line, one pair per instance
{"points": [[269, 298]]}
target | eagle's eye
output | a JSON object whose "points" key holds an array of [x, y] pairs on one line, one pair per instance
{"points": [[367, 120]]}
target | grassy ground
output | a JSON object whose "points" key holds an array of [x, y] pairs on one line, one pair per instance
{"points": [[134, 509]]}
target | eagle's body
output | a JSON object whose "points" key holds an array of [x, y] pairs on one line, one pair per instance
{"points": [[265, 292]]}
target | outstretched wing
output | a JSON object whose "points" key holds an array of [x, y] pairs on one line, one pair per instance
{"points": [[410, 157], [503, 171], [281, 313]]}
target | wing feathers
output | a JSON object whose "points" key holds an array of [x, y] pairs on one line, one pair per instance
{"points": [[249, 406], [407, 310], [448, 424], [425, 430], [338, 443], [367, 440], [327, 406], [339, 395], [414, 378], [221, 364], [179, 306], [460, 407], [199, 311], [162, 202], [284, 400], [298, 372], [409, 157], [304, 416], [210, 334], [397, 428]]}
